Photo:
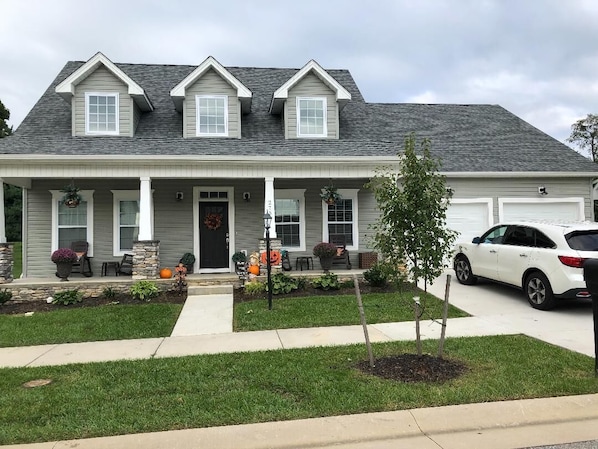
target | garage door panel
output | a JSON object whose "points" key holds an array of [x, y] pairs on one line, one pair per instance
{"points": [[542, 210], [469, 219]]}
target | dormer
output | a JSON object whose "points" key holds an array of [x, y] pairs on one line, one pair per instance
{"points": [[104, 100], [211, 101], [310, 102]]}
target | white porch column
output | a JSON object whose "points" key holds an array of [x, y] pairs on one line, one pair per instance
{"points": [[2, 219], [269, 204], [146, 230]]}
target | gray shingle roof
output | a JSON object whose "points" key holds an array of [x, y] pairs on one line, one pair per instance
{"points": [[467, 138]]}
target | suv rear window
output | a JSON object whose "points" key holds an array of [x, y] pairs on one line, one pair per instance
{"points": [[583, 240]]}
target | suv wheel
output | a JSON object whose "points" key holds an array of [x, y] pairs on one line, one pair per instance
{"points": [[463, 271], [538, 291]]}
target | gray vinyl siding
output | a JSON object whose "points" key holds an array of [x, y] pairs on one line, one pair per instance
{"points": [[136, 118], [211, 84], [311, 86], [102, 80], [522, 188]]}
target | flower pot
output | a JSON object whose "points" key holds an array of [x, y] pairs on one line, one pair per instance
{"points": [[326, 263], [71, 202], [63, 270]]}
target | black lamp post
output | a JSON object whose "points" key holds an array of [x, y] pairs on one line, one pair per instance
{"points": [[267, 222]]}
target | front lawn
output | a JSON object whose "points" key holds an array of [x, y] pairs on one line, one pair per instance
{"points": [[98, 399]]}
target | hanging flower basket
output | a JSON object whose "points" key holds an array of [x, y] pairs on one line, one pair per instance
{"points": [[330, 194], [71, 197], [213, 221]]}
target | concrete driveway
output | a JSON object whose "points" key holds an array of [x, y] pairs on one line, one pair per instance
{"points": [[569, 325]]}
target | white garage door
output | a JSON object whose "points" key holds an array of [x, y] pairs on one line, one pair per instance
{"points": [[567, 209], [470, 218]]}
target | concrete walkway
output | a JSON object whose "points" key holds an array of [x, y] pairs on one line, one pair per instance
{"points": [[205, 327]]}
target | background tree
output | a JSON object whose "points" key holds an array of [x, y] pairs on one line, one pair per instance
{"points": [[412, 222], [12, 194], [5, 130], [584, 134]]}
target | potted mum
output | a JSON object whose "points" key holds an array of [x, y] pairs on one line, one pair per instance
{"points": [[64, 259], [188, 260], [325, 252]]}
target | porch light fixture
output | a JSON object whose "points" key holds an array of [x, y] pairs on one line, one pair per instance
{"points": [[267, 222], [179, 196], [542, 190]]}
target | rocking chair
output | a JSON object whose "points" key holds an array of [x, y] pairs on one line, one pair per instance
{"points": [[83, 263], [126, 265], [342, 253]]}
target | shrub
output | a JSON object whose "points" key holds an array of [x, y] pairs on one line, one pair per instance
{"points": [[239, 256], [254, 288], [328, 281], [67, 297], [64, 255], [144, 290], [109, 292], [5, 296], [281, 283], [377, 275], [324, 250], [188, 259]]}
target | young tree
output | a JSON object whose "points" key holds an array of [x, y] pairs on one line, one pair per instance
{"points": [[5, 130], [584, 133], [412, 222]]}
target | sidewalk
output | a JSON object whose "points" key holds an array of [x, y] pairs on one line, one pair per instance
{"points": [[508, 424]]}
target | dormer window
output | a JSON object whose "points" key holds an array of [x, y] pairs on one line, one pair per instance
{"points": [[212, 115], [101, 113], [311, 117]]}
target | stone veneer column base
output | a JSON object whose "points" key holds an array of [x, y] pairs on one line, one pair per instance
{"points": [[146, 259], [6, 263]]}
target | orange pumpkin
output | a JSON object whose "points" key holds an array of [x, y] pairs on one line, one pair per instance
{"points": [[274, 258], [254, 269], [165, 273]]}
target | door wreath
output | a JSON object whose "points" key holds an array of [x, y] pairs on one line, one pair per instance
{"points": [[213, 221]]}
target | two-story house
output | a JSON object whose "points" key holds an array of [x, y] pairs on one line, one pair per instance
{"points": [[173, 159]]}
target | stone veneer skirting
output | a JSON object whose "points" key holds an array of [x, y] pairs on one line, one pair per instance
{"points": [[6, 263], [146, 259]]}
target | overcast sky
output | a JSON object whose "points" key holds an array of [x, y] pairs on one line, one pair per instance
{"points": [[536, 58]]}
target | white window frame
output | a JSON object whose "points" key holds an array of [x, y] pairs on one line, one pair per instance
{"points": [[350, 194], [197, 128], [116, 118], [323, 100], [87, 196], [294, 194], [117, 197]]}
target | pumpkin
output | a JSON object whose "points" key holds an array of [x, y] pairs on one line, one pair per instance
{"points": [[274, 258], [254, 269], [165, 273]]}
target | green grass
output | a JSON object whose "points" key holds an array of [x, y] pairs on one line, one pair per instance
{"points": [[224, 389], [17, 255], [109, 322], [335, 310]]}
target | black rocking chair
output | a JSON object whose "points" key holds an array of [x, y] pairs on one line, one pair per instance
{"points": [[83, 263]]}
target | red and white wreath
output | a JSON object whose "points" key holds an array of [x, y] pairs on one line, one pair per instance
{"points": [[213, 221]]}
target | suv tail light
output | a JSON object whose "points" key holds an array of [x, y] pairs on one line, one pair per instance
{"points": [[575, 262]]}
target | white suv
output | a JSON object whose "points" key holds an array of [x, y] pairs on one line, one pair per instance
{"points": [[545, 259]]}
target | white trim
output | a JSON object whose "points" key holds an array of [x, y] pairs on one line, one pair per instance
{"points": [[66, 88], [282, 93], [324, 116], [345, 194], [116, 95], [243, 93], [87, 196], [575, 200], [224, 98], [231, 225], [294, 194]]}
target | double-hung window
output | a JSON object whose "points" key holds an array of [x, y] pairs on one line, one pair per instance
{"points": [[289, 218], [311, 117], [340, 219], [212, 115], [72, 224], [101, 113], [126, 220]]}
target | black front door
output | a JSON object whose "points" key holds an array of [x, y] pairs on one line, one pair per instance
{"points": [[213, 234]]}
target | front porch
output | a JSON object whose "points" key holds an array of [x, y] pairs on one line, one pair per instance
{"points": [[32, 289]]}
